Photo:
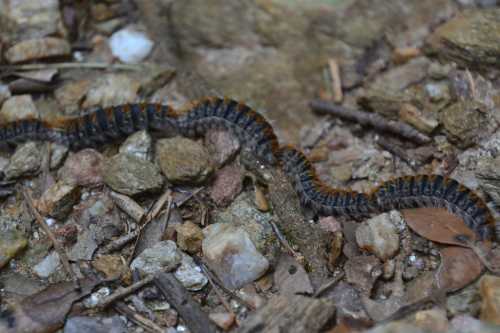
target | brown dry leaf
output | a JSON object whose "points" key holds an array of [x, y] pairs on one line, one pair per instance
{"points": [[438, 225], [45, 311], [459, 267]]}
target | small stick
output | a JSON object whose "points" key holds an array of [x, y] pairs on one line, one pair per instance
{"points": [[397, 151], [57, 246], [338, 96], [328, 285], [282, 240], [178, 297], [123, 292], [142, 321], [370, 119]]}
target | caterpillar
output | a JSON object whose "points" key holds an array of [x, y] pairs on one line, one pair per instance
{"points": [[101, 125]]}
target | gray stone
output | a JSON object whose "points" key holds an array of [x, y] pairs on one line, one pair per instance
{"points": [[231, 254], [26, 160], [47, 266], [379, 236], [95, 325], [131, 175], [162, 256], [183, 160], [11, 243], [190, 275], [138, 144]]}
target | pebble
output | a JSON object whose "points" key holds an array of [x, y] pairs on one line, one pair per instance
{"points": [[26, 160], [112, 266], [223, 320], [130, 46], [189, 237], [437, 92], [131, 175], [4, 92], [79, 324], [230, 253], [37, 18], [291, 278], [139, 145], [348, 301], [112, 89], [11, 243], [163, 256], [18, 107], [361, 271], [464, 122], [468, 324], [58, 200], [489, 288], [434, 320], [83, 168], [183, 160], [70, 94], [96, 297], [35, 49], [378, 236], [227, 185], [190, 275], [222, 145], [57, 154], [47, 266], [413, 116]]}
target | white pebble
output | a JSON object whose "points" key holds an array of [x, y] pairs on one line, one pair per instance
{"points": [[130, 46]]}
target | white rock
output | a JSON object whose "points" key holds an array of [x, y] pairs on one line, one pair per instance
{"points": [[47, 266], [230, 253], [379, 236], [138, 144], [189, 274], [130, 46], [162, 256]]}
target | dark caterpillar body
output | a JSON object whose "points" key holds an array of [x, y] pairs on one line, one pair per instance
{"points": [[107, 124]]}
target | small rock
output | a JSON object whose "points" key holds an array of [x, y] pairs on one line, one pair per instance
{"points": [[162, 256], [489, 288], [96, 297], [4, 93], [342, 173], [468, 324], [260, 199], [86, 243], [11, 243], [58, 200], [362, 271], [37, 18], [434, 320], [469, 38], [227, 185], [347, 301], [465, 122], [112, 89], [95, 325], [47, 266], [26, 160], [222, 145], [35, 49], [464, 301], [70, 95], [189, 237], [130, 46], [57, 154], [249, 295], [232, 256], [223, 320], [138, 145], [83, 168], [291, 278], [183, 161], [437, 92], [378, 236], [18, 107], [190, 275], [413, 116], [112, 266], [131, 175]]}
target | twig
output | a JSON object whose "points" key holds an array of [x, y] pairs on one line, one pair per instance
{"points": [[220, 296], [371, 119], [337, 83], [57, 246], [328, 285], [119, 243], [397, 151], [123, 292], [142, 321], [177, 296], [283, 240]]}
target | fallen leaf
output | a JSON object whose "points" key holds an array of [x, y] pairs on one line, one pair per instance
{"points": [[459, 267], [46, 310], [438, 225]]}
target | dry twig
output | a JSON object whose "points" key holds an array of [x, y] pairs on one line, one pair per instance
{"points": [[142, 321], [337, 83], [124, 292], [371, 119]]}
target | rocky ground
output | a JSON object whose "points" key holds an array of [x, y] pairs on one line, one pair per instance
{"points": [[180, 235]]}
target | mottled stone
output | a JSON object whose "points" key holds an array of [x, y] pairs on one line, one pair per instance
{"points": [[26, 160], [189, 237], [190, 275], [58, 200], [227, 185], [222, 145], [232, 256], [47, 266], [163, 256], [79, 324], [131, 175], [362, 272], [433, 319], [183, 160], [138, 144], [83, 168], [35, 49], [112, 89], [18, 107], [11, 243]]}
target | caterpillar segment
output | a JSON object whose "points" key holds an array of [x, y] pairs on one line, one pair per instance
{"points": [[100, 125]]}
